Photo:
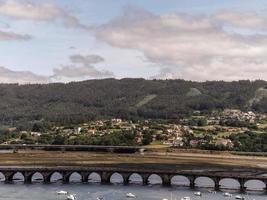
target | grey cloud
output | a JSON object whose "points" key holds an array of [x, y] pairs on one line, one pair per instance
{"points": [[189, 47], [13, 36], [73, 71], [21, 77], [82, 67], [86, 59]]}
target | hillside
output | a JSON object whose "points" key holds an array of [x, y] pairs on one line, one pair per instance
{"points": [[125, 98]]}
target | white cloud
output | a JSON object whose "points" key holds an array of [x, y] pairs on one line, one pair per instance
{"points": [[82, 67], [13, 36], [189, 47], [25, 10], [248, 20], [22, 77]]}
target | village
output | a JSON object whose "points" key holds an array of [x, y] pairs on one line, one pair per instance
{"points": [[214, 131]]}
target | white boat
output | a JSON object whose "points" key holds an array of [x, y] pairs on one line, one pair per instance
{"points": [[130, 195], [227, 194], [99, 198], [165, 199], [71, 197], [239, 197], [198, 194], [62, 192], [186, 198]]}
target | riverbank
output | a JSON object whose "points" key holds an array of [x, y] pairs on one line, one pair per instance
{"points": [[162, 160]]}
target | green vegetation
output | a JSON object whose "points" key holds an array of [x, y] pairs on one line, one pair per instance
{"points": [[78, 102], [176, 113]]}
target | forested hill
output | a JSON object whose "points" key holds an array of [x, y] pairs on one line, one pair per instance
{"points": [[126, 98]]}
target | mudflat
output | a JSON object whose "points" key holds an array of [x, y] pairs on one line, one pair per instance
{"points": [[151, 160]]}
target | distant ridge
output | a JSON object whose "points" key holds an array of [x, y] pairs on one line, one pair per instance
{"points": [[126, 98]]}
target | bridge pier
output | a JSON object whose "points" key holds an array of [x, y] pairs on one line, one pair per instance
{"points": [[265, 181], [8, 176], [105, 177], [242, 185], [192, 181], [66, 177], [166, 180], [126, 177], [145, 178], [216, 183], [27, 177], [84, 176], [46, 177]]}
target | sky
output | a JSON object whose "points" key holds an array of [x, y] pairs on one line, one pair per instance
{"points": [[44, 41]]}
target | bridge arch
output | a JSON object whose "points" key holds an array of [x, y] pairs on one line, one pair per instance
{"points": [[18, 177], [116, 178], [253, 184], [204, 181], [74, 177], [2, 177], [154, 179], [37, 177], [55, 177], [135, 178], [94, 177], [226, 183], [180, 180]]}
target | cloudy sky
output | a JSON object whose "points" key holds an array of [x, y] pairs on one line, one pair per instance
{"points": [[44, 41]]}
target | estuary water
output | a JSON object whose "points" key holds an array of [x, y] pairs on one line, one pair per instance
{"points": [[117, 191]]}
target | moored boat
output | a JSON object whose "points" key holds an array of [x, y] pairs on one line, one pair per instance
{"points": [[71, 197], [130, 195], [186, 198], [62, 192], [239, 197], [198, 194], [227, 194]]}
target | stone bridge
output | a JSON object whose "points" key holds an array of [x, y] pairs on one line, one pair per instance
{"points": [[105, 173]]}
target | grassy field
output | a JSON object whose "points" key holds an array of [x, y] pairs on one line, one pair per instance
{"points": [[151, 160]]}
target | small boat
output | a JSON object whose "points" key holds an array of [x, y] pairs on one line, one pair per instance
{"points": [[99, 198], [71, 197], [130, 195], [186, 198], [227, 194], [165, 199], [239, 197], [62, 192], [198, 194], [212, 191]]}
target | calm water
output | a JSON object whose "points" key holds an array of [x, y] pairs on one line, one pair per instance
{"points": [[116, 190]]}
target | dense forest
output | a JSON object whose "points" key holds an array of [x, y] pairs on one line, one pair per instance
{"points": [[126, 98]]}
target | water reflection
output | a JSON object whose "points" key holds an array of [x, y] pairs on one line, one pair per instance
{"points": [[18, 177], [116, 178], [227, 183], [94, 178], [204, 182], [56, 177], [180, 181], [37, 177], [136, 179], [115, 192], [254, 185], [75, 177], [2, 177], [154, 179]]}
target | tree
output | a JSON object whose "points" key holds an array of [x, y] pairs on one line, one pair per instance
{"points": [[147, 137]]}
